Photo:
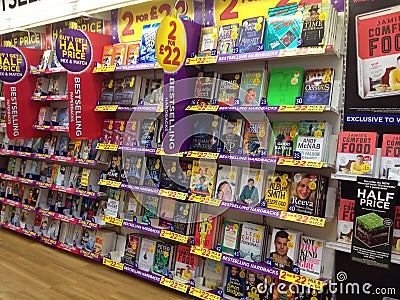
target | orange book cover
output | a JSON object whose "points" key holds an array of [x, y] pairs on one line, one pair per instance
{"points": [[132, 53], [119, 54], [107, 55]]}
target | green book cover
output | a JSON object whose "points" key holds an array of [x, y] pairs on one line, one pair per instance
{"points": [[285, 85], [230, 241], [284, 139]]}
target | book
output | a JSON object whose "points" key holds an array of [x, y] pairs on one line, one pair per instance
{"points": [[252, 35], [132, 171], [278, 190], [152, 171], [285, 85], [227, 183], [113, 171], [133, 53], [208, 230], [311, 256], [318, 86], [204, 89], [283, 27], [202, 179], [163, 258], [312, 140], [183, 219], [396, 231], [118, 132], [147, 52], [105, 241], [231, 237], [131, 133], [227, 38], [208, 41], [107, 55], [146, 254], [150, 207], [284, 139], [45, 60], [231, 136], [107, 92], [154, 95], [229, 89], [167, 209], [108, 128], [43, 115], [253, 87], [251, 186], [235, 281], [206, 133], [186, 264], [284, 248], [256, 134], [253, 241], [315, 24], [118, 86], [213, 274], [356, 153], [132, 205], [345, 221], [131, 90], [87, 239], [390, 158], [118, 57], [147, 134], [54, 88], [131, 248]]}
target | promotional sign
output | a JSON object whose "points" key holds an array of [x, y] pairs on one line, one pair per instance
{"points": [[74, 50], [373, 221], [12, 65], [25, 39]]}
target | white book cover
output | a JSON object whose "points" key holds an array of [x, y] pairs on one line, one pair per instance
{"points": [[310, 256], [311, 139], [284, 248], [252, 242], [146, 254], [251, 186], [227, 183]]}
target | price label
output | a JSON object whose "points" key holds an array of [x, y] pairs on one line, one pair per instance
{"points": [[206, 155], [104, 69], [285, 162], [110, 183], [172, 194], [212, 108], [166, 234], [300, 163], [301, 51], [106, 108], [112, 220], [201, 60], [198, 293], [301, 280], [107, 147], [205, 200], [211, 254], [181, 287], [160, 151], [302, 108], [314, 164], [171, 44], [304, 219], [113, 264]]}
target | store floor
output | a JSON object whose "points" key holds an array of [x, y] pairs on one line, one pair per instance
{"points": [[30, 270]]}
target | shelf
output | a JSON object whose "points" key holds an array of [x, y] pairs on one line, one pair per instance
{"points": [[347, 248], [26, 232], [47, 71], [51, 128], [49, 186], [117, 108], [125, 68], [50, 98], [266, 109]]}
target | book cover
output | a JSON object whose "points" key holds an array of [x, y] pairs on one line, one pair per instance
{"points": [[118, 132], [150, 207], [107, 92], [202, 179], [132, 204], [208, 40], [185, 263], [43, 115], [148, 130], [229, 89], [396, 231], [206, 133], [251, 186], [132, 170], [118, 86], [252, 242], [318, 86], [278, 190], [162, 258], [131, 90], [252, 87], [345, 221], [231, 237], [285, 85], [167, 209], [235, 282], [284, 248], [131, 136], [256, 286], [54, 88], [152, 172], [310, 256], [283, 27], [204, 89], [356, 153], [255, 137], [133, 53], [231, 137], [251, 34], [147, 52], [315, 24], [227, 183], [131, 248], [155, 94], [118, 54], [108, 128], [311, 140], [107, 55], [213, 274], [390, 159], [207, 226], [227, 38], [284, 139], [45, 60], [183, 215], [146, 254]]}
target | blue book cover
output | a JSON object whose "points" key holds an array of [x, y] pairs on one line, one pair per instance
{"points": [[227, 38], [235, 282], [147, 52], [252, 87], [63, 118], [318, 86], [251, 34]]}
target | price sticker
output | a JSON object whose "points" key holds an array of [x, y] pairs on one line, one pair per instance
{"points": [[302, 108], [205, 200], [172, 194], [198, 293], [104, 69], [303, 219], [160, 151], [166, 234], [314, 164], [113, 264], [110, 183], [285, 162], [206, 155], [112, 220], [107, 147], [181, 287], [301, 280], [212, 108], [106, 108], [192, 61], [211, 254], [365, 168]]}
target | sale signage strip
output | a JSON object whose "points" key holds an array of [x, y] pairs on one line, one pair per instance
{"points": [[373, 221], [25, 39]]}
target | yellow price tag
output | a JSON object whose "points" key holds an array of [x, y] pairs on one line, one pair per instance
{"points": [[112, 220], [211, 254], [113, 264], [198, 293], [301, 108], [285, 161], [107, 147], [206, 155], [301, 280], [172, 194], [181, 287], [303, 219], [314, 164], [110, 183], [301, 51], [166, 234], [201, 60], [365, 168], [104, 69], [106, 108], [205, 200], [160, 151], [213, 108]]}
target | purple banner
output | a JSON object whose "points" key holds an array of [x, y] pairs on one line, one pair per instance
{"points": [[74, 50], [139, 188], [247, 56], [252, 209], [12, 65], [134, 149], [142, 66], [237, 157], [141, 227], [256, 267], [248, 109], [142, 274]]}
